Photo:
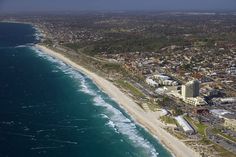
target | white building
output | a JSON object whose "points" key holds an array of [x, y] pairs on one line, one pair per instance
{"points": [[161, 90], [219, 112], [162, 77], [165, 80], [228, 100], [197, 101], [184, 124], [151, 82]]}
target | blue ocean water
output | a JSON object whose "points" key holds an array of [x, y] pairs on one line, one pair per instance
{"points": [[49, 109]]}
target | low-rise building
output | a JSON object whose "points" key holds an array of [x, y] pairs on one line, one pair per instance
{"points": [[230, 121], [219, 113], [161, 77], [228, 100], [161, 90], [151, 82], [198, 101], [168, 82], [184, 124]]}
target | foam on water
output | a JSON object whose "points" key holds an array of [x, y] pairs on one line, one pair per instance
{"points": [[21, 46], [116, 119], [119, 122], [38, 35]]}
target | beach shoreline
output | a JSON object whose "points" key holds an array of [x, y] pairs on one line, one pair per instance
{"points": [[148, 120]]}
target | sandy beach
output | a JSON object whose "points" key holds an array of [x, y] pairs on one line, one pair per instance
{"points": [[149, 120]]}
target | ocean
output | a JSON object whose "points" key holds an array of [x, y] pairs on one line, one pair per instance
{"points": [[49, 109]]}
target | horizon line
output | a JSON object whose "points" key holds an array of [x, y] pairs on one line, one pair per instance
{"points": [[122, 11]]}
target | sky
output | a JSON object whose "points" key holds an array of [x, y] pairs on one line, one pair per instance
{"points": [[78, 5]]}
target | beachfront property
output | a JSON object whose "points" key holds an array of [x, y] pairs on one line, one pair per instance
{"points": [[162, 83], [151, 82], [160, 79], [197, 101], [165, 80], [190, 94], [185, 64], [185, 125], [191, 89]]}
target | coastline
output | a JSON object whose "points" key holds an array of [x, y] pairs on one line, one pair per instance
{"points": [[148, 120]]}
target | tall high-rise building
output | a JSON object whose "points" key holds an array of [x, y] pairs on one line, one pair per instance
{"points": [[191, 89]]}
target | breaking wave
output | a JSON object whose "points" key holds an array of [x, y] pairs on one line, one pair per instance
{"points": [[115, 118]]}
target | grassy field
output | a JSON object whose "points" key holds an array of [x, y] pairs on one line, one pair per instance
{"points": [[200, 128], [168, 119], [133, 90]]}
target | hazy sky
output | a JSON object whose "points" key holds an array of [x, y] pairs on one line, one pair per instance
{"points": [[67, 5]]}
